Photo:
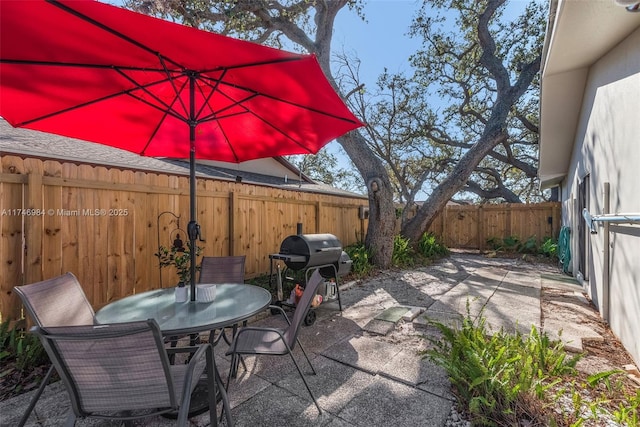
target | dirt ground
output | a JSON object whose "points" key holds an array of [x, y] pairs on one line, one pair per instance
{"points": [[600, 355]]}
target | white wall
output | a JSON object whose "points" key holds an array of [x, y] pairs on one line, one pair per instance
{"points": [[607, 147]]}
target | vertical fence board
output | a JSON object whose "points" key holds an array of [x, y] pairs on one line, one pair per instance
{"points": [[102, 244], [11, 247], [86, 272], [33, 231], [142, 210], [69, 229]]}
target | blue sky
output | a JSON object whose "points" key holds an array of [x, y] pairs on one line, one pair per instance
{"points": [[381, 41]]}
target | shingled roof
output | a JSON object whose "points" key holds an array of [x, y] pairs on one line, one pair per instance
{"points": [[30, 143]]}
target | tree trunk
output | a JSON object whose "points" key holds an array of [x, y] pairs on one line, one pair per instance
{"points": [[417, 225], [382, 214]]}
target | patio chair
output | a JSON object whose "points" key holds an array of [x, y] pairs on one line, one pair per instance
{"points": [[121, 372], [59, 301], [279, 342], [222, 269]]}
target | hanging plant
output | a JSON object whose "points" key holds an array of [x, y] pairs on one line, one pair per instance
{"points": [[180, 258]]}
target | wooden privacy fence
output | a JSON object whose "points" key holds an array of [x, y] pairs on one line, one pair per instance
{"points": [[470, 226], [105, 224]]}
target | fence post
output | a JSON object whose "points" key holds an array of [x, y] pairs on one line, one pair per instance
{"points": [[443, 216], [318, 219], [233, 202], [481, 236]]}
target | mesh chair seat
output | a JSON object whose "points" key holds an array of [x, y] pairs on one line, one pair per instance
{"points": [[261, 341]]}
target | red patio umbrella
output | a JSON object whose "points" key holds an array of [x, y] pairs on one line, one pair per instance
{"points": [[104, 74]]}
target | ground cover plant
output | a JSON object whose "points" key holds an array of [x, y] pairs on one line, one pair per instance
{"points": [[23, 359], [430, 247], [504, 379], [513, 244], [361, 260]]}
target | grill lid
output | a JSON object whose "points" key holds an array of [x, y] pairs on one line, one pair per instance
{"points": [[318, 249]]}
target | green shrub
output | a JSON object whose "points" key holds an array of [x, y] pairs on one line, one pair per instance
{"points": [[429, 247], [510, 243], [21, 348], [403, 253], [22, 361], [549, 248], [514, 244], [495, 243], [495, 375], [361, 259], [529, 246]]}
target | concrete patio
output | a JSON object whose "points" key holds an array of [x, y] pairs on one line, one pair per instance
{"points": [[370, 370]]}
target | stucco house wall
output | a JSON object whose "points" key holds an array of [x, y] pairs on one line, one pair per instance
{"points": [[606, 149]]}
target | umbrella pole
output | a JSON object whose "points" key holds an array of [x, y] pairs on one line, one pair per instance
{"points": [[193, 229]]}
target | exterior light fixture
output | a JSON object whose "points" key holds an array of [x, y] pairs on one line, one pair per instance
{"points": [[178, 244]]}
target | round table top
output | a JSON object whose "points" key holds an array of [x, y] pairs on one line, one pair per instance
{"points": [[233, 303]]}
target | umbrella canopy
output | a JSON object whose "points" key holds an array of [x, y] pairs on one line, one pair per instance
{"points": [[104, 74]]}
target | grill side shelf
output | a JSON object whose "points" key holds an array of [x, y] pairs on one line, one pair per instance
{"points": [[290, 258]]}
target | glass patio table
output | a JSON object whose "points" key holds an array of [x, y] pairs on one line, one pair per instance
{"points": [[234, 302]]}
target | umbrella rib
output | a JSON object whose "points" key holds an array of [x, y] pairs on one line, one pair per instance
{"points": [[226, 138], [145, 88], [66, 110], [108, 29], [254, 64], [169, 111], [214, 89], [173, 84], [77, 65], [286, 135], [104, 98], [216, 114], [275, 98]]}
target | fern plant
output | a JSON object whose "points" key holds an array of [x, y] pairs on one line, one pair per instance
{"points": [[493, 374]]}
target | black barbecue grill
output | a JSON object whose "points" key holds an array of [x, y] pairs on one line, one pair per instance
{"points": [[307, 252], [310, 250]]}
